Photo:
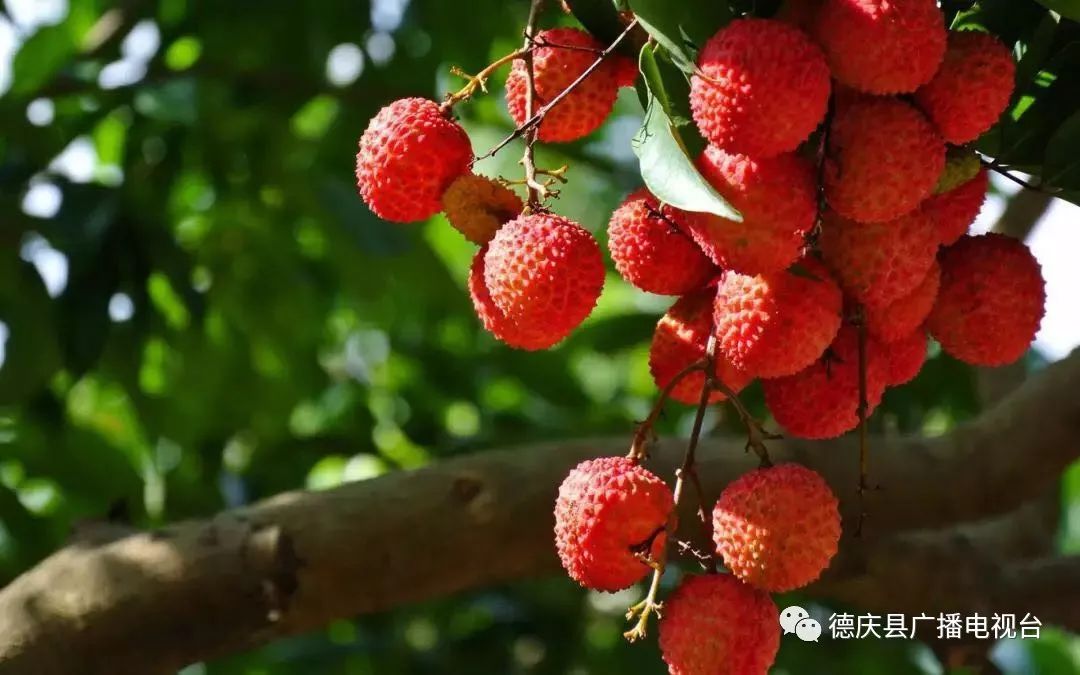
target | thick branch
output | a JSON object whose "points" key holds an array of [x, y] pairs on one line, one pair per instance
{"points": [[152, 602]]}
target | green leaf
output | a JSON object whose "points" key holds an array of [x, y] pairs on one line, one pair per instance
{"points": [[1070, 9], [681, 27], [41, 57], [668, 170], [1062, 167]]}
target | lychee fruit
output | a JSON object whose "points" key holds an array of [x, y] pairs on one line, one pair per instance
{"points": [[626, 70], [772, 325], [409, 154], [477, 206], [953, 212], [561, 56], [905, 357], [544, 273], [881, 46], [777, 198], [991, 300], [879, 263], [900, 317], [777, 528], [883, 158], [714, 623], [971, 88], [651, 251], [760, 89], [608, 509], [492, 317], [822, 401], [682, 338]]}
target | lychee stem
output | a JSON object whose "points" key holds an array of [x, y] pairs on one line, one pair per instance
{"points": [[478, 81], [644, 435], [536, 191]]}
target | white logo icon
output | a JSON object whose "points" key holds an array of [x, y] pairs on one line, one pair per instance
{"points": [[790, 618], [808, 630]]}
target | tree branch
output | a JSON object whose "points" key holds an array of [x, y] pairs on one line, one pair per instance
{"points": [[153, 602]]}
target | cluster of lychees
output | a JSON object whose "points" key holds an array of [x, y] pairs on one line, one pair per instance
{"points": [[829, 130], [837, 130], [537, 275], [776, 529]]}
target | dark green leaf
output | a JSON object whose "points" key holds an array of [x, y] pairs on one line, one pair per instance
{"points": [[681, 27], [1062, 168], [1069, 9]]}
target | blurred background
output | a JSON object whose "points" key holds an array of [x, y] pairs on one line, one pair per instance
{"points": [[196, 311]]}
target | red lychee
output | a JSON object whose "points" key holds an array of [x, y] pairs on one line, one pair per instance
{"points": [[879, 263], [477, 206], [714, 623], [971, 88], [760, 89], [777, 528], [991, 301], [409, 154], [822, 401], [900, 317], [905, 357], [777, 198], [494, 320], [681, 338], [626, 70], [884, 158], [954, 211], [881, 46], [771, 325], [651, 251], [544, 273], [562, 56], [606, 509]]}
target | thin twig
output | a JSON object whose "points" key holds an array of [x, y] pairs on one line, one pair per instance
{"points": [[643, 436], [478, 81], [644, 609], [997, 168], [533, 120], [536, 191], [755, 433]]}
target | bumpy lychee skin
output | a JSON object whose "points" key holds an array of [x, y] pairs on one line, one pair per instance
{"points": [[544, 273], [680, 339], [626, 70], [777, 528], [409, 154], [772, 325], [822, 401], [477, 206], [714, 623], [605, 509], [953, 212], [971, 89], [884, 157], [905, 357], [761, 88], [566, 54], [902, 316], [881, 46], [526, 336], [991, 301], [879, 263], [650, 249], [777, 198]]}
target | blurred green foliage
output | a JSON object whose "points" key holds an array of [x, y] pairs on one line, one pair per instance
{"points": [[197, 311]]}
